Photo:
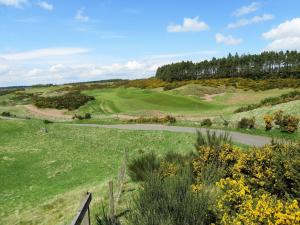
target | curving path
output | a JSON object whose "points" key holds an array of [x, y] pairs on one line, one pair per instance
{"points": [[248, 139]]}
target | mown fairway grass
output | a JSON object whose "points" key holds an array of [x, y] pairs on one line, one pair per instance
{"points": [[44, 174], [134, 100], [186, 100]]}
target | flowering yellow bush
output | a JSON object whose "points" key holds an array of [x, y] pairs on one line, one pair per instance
{"points": [[268, 122], [225, 155], [256, 167], [168, 169], [238, 205]]}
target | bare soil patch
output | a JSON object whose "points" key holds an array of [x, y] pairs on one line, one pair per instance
{"points": [[48, 113], [209, 98]]}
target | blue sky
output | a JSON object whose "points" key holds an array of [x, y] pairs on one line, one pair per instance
{"points": [[55, 41]]}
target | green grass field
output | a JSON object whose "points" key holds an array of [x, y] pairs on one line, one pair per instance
{"points": [[182, 101], [44, 174], [133, 100]]}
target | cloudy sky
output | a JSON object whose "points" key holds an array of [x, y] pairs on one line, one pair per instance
{"points": [[55, 41]]}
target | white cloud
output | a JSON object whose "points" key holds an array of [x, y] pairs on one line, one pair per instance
{"points": [[189, 25], [34, 72], [40, 66], [290, 28], [253, 20], [134, 65], [43, 53], [13, 3], [290, 43], [80, 16], [45, 5], [286, 36], [57, 68], [253, 7], [228, 40]]}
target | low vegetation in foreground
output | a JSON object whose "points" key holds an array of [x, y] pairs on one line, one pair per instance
{"points": [[46, 167], [217, 184]]}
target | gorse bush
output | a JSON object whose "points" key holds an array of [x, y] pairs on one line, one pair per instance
{"points": [[6, 114], [171, 201], [47, 121], [268, 122], [221, 184], [286, 123], [166, 119], [140, 167], [87, 116], [70, 101], [246, 123], [240, 205], [206, 122], [212, 139]]}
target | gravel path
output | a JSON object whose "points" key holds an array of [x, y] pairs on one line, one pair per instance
{"points": [[248, 139]]}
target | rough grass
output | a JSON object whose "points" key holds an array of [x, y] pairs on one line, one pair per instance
{"points": [[292, 108], [43, 174]]}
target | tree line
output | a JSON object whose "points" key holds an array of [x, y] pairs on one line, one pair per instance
{"points": [[257, 66]]}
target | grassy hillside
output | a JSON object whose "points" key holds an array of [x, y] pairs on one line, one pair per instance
{"points": [[133, 100], [187, 100], [292, 107], [44, 174]]}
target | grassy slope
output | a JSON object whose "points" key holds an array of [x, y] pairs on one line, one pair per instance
{"points": [[232, 98], [45, 173], [292, 107], [133, 100], [184, 100]]}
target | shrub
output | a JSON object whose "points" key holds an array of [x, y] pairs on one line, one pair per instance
{"points": [[206, 122], [268, 122], [170, 201], [70, 101], [246, 123], [239, 205], [6, 114], [177, 158], [166, 119], [47, 121], [104, 219], [78, 117], [140, 167], [87, 116], [212, 139], [287, 123]]}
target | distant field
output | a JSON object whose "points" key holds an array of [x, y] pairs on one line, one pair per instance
{"points": [[44, 174], [187, 100], [134, 100]]}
